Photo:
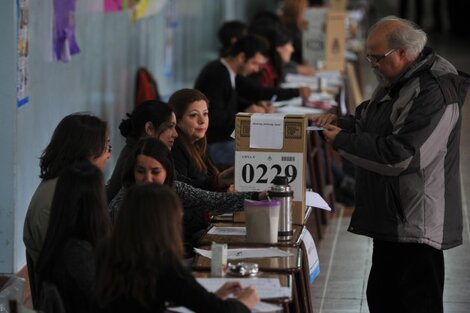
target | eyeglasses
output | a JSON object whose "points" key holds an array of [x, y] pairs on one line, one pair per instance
{"points": [[374, 59]]}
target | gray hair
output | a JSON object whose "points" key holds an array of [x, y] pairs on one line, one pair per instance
{"points": [[409, 37]]}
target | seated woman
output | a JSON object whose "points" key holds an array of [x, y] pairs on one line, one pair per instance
{"points": [[151, 118], [77, 138], [78, 221], [292, 17], [151, 162], [266, 18], [280, 53], [139, 269], [192, 162]]}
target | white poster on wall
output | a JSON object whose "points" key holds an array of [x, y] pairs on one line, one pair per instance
{"points": [[313, 38]]}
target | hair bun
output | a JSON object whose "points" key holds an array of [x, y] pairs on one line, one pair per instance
{"points": [[125, 127]]}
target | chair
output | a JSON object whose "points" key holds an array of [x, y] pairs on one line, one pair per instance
{"points": [[146, 87]]}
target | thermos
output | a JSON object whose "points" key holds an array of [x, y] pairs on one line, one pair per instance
{"points": [[281, 191]]}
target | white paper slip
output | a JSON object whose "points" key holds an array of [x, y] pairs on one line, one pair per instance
{"points": [[227, 231], [315, 200], [247, 253], [311, 128]]}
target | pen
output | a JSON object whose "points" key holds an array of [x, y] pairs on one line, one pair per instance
{"points": [[273, 98]]}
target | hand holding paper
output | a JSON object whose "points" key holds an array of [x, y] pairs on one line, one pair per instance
{"points": [[229, 288]]}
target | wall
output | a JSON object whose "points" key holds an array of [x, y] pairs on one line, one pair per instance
{"points": [[7, 135], [100, 80]]}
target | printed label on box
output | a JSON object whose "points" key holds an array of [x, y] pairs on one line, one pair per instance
{"points": [[255, 170]]}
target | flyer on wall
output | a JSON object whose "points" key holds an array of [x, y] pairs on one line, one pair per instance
{"points": [[22, 58]]}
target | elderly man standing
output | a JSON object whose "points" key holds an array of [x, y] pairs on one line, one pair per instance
{"points": [[404, 142]]}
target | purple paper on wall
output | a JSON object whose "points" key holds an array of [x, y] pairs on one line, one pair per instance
{"points": [[64, 42]]}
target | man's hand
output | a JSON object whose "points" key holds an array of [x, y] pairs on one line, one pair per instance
{"points": [[267, 105], [330, 132], [322, 120], [228, 289]]}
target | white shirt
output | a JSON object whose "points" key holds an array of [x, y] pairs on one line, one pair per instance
{"points": [[230, 71]]}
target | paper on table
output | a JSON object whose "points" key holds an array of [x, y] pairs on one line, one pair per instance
{"points": [[259, 308], [299, 110], [315, 200], [319, 96], [247, 253], [267, 288], [297, 101], [299, 78], [266, 307], [227, 231]]}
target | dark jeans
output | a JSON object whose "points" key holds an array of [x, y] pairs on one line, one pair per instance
{"points": [[405, 278], [222, 153]]}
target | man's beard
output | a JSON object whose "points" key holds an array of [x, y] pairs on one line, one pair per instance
{"points": [[383, 81]]}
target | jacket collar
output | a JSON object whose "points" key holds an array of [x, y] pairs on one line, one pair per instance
{"points": [[422, 63]]}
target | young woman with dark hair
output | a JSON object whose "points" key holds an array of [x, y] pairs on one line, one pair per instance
{"points": [[192, 162], [151, 118], [78, 221], [139, 269], [292, 16], [152, 162], [77, 138]]}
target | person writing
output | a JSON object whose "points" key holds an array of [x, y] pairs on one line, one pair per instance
{"points": [[140, 268], [217, 81], [404, 142]]}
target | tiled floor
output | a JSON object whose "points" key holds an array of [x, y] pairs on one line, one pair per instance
{"points": [[345, 257]]}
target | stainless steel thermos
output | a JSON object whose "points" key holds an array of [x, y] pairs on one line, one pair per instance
{"points": [[281, 191]]}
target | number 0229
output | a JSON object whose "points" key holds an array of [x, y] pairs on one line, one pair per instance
{"points": [[255, 171]]}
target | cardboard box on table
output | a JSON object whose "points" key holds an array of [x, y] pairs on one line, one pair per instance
{"points": [[255, 167], [335, 44]]}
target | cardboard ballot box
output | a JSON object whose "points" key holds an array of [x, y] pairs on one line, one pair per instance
{"points": [[270, 145]]}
